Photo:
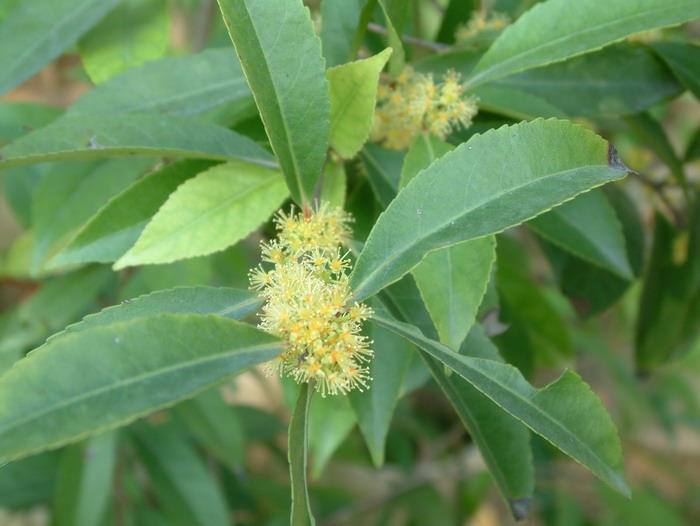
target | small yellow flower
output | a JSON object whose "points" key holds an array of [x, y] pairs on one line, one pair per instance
{"points": [[480, 22], [308, 301]]}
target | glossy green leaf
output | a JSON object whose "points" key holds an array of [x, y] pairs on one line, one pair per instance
{"points": [[35, 33], [452, 283], [331, 419], [186, 489], [67, 195], [515, 103], [298, 451], [557, 29], [118, 224], [84, 483], [208, 213], [214, 78], [503, 441], [588, 228], [86, 138], [216, 425], [287, 81], [491, 182], [566, 412], [54, 402], [340, 19], [230, 303], [684, 60], [353, 91], [383, 167], [133, 33], [375, 406]]}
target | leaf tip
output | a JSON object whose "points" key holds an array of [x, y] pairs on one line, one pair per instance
{"points": [[615, 162], [520, 507]]}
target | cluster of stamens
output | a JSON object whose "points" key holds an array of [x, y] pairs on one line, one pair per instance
{"points": [[309, 303], [415, 103], [481, 23]]}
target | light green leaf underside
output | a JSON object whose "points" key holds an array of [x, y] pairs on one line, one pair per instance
{"points": [[298, 451], [208, 213], [38, 31], [281, 57], [558, 29], [588, 228], [214, 78], [353, 93], [86, 138], [105, 377], [119, 223], [490, 183], [135, 32], [566, 412]]}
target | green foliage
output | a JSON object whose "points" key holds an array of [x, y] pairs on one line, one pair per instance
{"points": [[494, 256]]}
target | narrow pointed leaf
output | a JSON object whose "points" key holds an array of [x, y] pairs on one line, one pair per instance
{"points": [[331, 419], [298, 452], [117, 225], [37, 32], [353, 92], [85, 138], [566, 412], [208, 213], [490, 183], [281, 57], [684, 60], [340, 19], [105, 377], [588, 228], [565, 29]]}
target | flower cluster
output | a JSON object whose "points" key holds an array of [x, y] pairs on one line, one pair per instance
{"points": [[414, 103], [309, 304], [480, 23]]}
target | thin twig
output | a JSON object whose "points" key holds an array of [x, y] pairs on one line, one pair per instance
{"points": [[435, 46]]}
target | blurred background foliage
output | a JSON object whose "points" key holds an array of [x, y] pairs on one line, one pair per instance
{"points": [[222, 455]]}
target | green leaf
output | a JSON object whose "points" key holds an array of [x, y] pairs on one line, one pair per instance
{"points": [[287, 81], [393, 30], [29, 481], [18, 118], [36, 33], [84, 483], [298, 447], [230, 303], [566, 412], [331, 419], [185, 488], [457, 12], [424, 150], [136, 31], [54, 402], [692, 152], [208, 213], [335, 183], [119, 223], [340, 18], [353, 93], [67, 195], [86, 138], [452, 283], [617, 80], [515, 103], [375, 406], [383, 168], [503, 441], [491, 182], [684, 60], [217, 426], [214, 78], [557, 29], [588, 228]]}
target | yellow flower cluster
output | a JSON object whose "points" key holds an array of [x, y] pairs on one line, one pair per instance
{"points": [[309, 304], [480, 23], [414, 103]]}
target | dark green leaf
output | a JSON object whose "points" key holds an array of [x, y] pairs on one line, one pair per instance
{"points": [[492, 182], [383, 169], [86, 138], [298, 451], [566, 412], [422, 153], [457, 12], [36, 33], [287, 81], [340, 18], [684, 60], [557, 29], [55, 402], [29, 481]]}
